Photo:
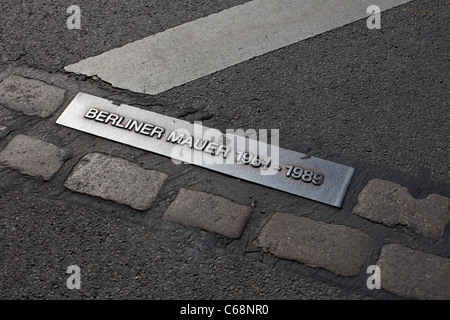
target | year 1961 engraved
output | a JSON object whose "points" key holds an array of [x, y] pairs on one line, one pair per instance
{"points": [[255, 161], [307, 176]]}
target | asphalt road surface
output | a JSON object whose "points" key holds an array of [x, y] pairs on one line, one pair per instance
{"points": [[375, 98], [375, 95]]}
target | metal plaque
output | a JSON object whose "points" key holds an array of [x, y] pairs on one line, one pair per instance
{"points": [[231, 153]]}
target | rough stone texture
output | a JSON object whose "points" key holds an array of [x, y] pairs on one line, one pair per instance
{"points": [[33, 157], [116, 179], [339, 249], [208, 212], [414, 274], [3, 131], [391, 204], [31, 97]]}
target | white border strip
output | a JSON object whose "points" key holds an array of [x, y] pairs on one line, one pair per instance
{"points": [[201, 47]]}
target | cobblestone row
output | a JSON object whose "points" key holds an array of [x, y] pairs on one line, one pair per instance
{"points": [[340, 249]]}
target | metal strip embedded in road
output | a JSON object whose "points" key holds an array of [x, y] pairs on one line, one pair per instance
{"points": [[232, 154]]}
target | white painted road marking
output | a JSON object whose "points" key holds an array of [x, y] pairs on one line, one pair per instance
{"points": [[198, 48]]}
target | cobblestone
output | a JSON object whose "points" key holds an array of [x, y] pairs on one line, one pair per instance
{"points": [[208, 212], [413, 273], [31, 97], [116, 179], [33, 157], [391, 204], [337, 248]]}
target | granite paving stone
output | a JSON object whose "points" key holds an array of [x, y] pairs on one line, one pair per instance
{"points": [[33, 157], [337, 248], [391, 204], [208, 212], [116, 179], [31, 97], [414, 274]]}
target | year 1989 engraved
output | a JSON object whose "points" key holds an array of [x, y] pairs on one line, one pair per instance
{"points": [[307, 176], [293, 172]]}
